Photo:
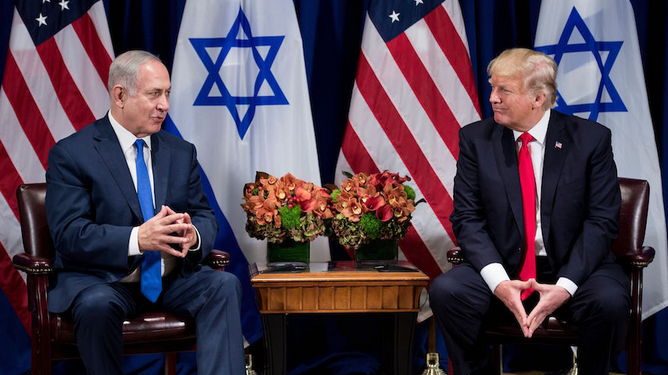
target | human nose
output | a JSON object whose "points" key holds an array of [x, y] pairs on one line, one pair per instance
{"points": [[494, 97], [163, 103]]}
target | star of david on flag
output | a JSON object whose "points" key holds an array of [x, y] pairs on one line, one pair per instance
{"points": [[600, 75], [574, 51], [216, 92], [231, 57]]}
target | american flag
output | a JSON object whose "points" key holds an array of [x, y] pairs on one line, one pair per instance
{"points": [[54, 83], [413, 91]]}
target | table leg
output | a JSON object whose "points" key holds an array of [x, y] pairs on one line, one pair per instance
{"points": [[275, 339], [404, 328]]}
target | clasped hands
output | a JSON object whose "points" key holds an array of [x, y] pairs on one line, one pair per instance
{"points": [[165, 229], [551, 297]]}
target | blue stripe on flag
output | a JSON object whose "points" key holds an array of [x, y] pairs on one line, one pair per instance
{"points": [[15, 343], [225, 240]]}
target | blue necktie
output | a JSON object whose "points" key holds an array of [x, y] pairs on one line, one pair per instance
{"points": [[151, 281]]}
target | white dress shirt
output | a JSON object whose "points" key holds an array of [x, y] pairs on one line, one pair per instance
{"points": [[127, 141], [494, 273]]}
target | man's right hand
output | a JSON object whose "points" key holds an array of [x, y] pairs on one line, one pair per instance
{"points": [[509, 292], [161, 231]]}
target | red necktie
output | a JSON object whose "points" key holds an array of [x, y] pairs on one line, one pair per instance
{"points": [[528, 186]]}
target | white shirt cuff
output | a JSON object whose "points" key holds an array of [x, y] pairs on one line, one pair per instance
{"points": [[568, 285], [494, 274], [133, 244], [199, 242]]}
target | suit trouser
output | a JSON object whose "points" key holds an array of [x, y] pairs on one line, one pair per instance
{"points": [[463, 303], [211, 297]]}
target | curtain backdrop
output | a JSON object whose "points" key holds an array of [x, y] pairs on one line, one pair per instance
{"points": [[331, 33]]}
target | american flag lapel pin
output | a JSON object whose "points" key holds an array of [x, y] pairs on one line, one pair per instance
{"points": [[557, 145]]}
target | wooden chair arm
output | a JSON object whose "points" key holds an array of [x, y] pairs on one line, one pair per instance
{"points": [[32, 265], [218, 260], [455, 256], [640, 259]]}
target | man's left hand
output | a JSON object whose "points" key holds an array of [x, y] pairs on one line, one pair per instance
{"points": [[551, 297], [189, 233]]}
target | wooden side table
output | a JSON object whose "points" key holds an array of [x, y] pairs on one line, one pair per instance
{"points": [[333, 288]]}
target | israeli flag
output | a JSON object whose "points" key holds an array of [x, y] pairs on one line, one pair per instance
{"points": [[600, 77], [239, 94]]}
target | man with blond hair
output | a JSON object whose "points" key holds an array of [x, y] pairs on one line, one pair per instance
{"points": [[536, 203]]}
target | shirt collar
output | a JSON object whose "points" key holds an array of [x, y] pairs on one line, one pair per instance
{"points": [[539, 131], [125, 138]]}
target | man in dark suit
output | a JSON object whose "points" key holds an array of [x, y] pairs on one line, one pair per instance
{"points": [[124, 203], [535, 229]]}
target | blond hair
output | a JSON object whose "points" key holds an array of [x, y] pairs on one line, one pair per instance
{"points": [[538, 71]]}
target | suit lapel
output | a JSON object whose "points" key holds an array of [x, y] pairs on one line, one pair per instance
{"points": [[506, 159], [161, 159], [110, 151], [557, 145]]}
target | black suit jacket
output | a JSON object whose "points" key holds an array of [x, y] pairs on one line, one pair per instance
{"points": [[580, 197], [92, 206]]}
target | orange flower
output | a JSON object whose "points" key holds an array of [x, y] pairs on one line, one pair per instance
{"points": [[286, 207], [371, 206], [349, 206], [322, 209]]}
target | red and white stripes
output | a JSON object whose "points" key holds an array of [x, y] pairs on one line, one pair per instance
{"points": [[411, 96], [48, 92]]}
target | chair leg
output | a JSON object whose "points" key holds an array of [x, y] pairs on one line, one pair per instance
{"points": [[170, 363], [495, 358]]}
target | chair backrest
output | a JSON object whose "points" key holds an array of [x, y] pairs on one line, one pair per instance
{"points": [[632, 216], [34, 227]]}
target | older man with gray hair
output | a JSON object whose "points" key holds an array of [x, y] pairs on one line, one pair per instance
{"points": [[131, 224]]}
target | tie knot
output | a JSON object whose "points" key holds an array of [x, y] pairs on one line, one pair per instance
{"points": [[139, 144], [525, 138]]}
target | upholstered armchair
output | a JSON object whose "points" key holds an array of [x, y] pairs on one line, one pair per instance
{"points": [[631, 253], [53, 334]]}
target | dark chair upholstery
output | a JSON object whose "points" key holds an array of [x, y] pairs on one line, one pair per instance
{"points": [[631, 253], [53, 334]]}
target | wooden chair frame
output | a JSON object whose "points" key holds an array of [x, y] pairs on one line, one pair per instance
{"points": [[53, 334], [629, 249]]}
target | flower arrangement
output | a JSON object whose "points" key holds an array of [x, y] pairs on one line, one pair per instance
{"points": [[285, 208], [371, 207]]}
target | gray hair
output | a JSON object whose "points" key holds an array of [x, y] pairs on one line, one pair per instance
{"points": [[123, 70], [538, 71]]}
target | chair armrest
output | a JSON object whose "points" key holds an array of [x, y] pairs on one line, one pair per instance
{"points": [[218, 260], [32, 265], [455, 256], [639, 259]]}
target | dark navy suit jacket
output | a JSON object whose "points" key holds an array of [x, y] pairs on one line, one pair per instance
{"points": [[580, 197], [92, 205]]}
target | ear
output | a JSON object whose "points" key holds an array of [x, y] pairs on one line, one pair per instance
{"points": [[118, 96], [539, 100]]}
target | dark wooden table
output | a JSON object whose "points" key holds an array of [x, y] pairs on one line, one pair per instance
{"points": [[338, 288]]}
